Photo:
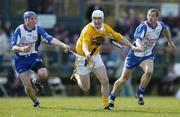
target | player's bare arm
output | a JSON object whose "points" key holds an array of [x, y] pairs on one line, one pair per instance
{"points": [[61, 44], [129, 45], [167, 35], [26, 48], [86, 51]]}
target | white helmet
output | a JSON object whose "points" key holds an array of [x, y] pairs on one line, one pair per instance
{"points": [[98, 13]]}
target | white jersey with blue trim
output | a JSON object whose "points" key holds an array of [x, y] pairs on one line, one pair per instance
{"points": [[23, 37], [148, 35]]}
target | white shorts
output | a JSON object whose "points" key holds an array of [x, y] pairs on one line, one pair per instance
{"points": [[84, 70]]}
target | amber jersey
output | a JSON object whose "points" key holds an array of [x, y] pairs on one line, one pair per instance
{"points": [[89, 32]]}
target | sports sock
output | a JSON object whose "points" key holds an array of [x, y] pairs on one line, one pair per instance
{"points": [[35, 101], [112, 96], [105, 101], [140, 90]]}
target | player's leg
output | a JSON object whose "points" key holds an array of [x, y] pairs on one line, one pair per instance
{"points": [[83, 82], [82, 77], [81, 74], [25, 78], [147, 66], [41, 76], [100, 71], [126, 73], [102, 76], [131, 62]]}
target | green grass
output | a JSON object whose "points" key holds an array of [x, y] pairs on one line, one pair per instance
{"points": [[89, 107]]}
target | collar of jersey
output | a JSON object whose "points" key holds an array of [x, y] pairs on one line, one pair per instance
{"points": [[101, 29], [25, 27], [153, 27]]}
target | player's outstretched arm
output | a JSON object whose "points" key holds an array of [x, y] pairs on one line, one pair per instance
{"points": [[129, 45], [126, 42], [167, 35], [61, 44]]}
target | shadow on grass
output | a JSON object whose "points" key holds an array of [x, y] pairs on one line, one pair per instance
{"points": [[73, 109], [114, 111], [146, 111]]}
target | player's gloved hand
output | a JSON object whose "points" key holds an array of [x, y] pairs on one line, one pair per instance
{"points": [[67, 48]]}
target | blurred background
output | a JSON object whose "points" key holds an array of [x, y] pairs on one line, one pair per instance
{"points": [[64, 20]]}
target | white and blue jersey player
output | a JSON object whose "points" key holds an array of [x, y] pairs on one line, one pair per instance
{"points": [[25, 43], [145, 36], [148, 36]]}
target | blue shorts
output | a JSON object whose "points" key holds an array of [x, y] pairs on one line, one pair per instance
{"points": [[133, 61], [26, 63]]}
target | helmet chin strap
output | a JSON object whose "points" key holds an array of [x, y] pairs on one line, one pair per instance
{"points": [[26, 21]]}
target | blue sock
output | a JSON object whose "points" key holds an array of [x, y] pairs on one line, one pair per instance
{"points": [[140, 90], [112, 96], [35, 101]]}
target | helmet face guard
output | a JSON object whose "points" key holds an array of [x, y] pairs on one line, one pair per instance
{"points": [[29, 14]]}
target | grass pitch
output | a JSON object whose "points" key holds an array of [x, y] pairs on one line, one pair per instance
{"points": [[89, 107]]}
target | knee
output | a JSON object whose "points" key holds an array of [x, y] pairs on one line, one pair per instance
{"points": [[85, 89], [105, 81], [42, 74]]}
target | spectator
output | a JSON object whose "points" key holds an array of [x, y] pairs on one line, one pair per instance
{"points": [[4, 45]]}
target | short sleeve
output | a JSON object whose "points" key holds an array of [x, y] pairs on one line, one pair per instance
{"points": [[140, 31]]}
